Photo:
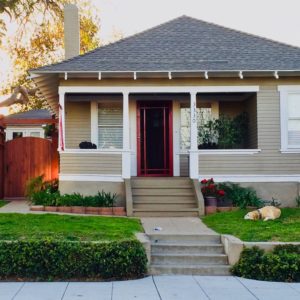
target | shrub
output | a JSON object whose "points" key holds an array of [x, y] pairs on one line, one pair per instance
{"points": [[37, 184], [49, 259], [240, 196], [48, 198], [283, 264], [297, 199]]}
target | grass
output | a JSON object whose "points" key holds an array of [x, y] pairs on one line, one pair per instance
{"points": [[284, 229], [74, 228], [2, 203]]}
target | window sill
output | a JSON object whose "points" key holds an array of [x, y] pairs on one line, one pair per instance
{"points": [[224, 151], [90, 151], [290, 151]]}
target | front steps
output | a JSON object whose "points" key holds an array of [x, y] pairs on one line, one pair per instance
{"points": [[188, 255], [163, 197]]}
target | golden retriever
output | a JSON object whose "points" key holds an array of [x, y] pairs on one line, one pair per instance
{"points": [[266, 213]]}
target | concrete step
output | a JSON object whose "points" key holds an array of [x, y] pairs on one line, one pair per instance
{"points": [[162, 239], [163, 199], [183, 248], [211, 270], [162, 192], [160, 182], [164, 207], [153, 213], [189, 259]]}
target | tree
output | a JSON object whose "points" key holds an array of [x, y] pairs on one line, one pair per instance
{"points": [[45, 47]]}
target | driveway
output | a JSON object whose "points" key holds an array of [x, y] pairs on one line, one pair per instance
{"points": [[153, 288]]}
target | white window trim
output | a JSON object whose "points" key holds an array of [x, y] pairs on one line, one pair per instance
{"points": [[285, 91], [92, 151], [225, 152], [26, 131], [251, 178]]}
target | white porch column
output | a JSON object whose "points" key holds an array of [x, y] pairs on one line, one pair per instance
{"points": [[194, 138], [61, 125], [126, 163]]}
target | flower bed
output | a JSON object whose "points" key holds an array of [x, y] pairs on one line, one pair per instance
{"points": [[116, 211]]}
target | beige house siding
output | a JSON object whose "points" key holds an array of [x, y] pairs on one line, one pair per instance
{"points": [[90, 163], [184, 165], [78, 123], [270, 161]]}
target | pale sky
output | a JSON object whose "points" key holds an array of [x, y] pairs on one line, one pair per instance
{"points": [[275, 19]]}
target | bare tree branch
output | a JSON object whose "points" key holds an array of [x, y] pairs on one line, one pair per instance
{"points": [[20, 95]]}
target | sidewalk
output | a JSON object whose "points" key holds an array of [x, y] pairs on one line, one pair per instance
{"points": [[153, 288]]}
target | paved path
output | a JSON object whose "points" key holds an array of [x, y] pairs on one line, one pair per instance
{"points": [[175, 225], [17, 206], [153, 288]]}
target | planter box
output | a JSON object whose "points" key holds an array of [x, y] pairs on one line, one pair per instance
{"points": [[119, 211], [78, 209], [105, 211], [92, 210], [64, 209], [210, 210], [224, 208], [51, 208], [37, 208]]}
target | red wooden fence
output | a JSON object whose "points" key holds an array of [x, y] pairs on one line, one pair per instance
{"points": [[26, 158]]}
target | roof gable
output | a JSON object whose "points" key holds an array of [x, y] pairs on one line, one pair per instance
{"points": [[185, 44]]}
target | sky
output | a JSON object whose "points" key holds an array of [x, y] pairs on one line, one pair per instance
{"points": [[275, 19]]}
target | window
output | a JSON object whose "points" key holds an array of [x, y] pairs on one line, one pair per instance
{"points": [[110, 126], [290, 118], [35, 134], [17, 134], [204, 114]]}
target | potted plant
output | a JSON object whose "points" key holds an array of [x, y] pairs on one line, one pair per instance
{"points": [[211, 194]]}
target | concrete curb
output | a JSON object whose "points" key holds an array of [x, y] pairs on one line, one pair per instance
{"points": [[145, 241], [234, 246]]}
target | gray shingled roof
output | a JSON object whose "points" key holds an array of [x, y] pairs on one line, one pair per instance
{"points": [[31, 115], [186, 44]]}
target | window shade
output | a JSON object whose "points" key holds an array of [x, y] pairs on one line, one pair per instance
{"points": [[110, 126]]}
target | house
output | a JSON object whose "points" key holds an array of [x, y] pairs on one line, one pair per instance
{"points": [[141, 101], [30, 123]]}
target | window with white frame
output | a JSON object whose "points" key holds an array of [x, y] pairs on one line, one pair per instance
{"points": [[290, 118], [204, 114], [13, 133], [110, 126]]}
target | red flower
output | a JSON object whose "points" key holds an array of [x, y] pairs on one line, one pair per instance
{"points": [[203, 181], [211, 186], [211, 180], [221, 192]]}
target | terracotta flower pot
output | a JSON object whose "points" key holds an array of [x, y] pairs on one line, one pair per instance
{"points": [[210, 210], [51, 208], [106, 211], [78, 209], [90, 210], [64, 209], [119, 211], [37, 207]]}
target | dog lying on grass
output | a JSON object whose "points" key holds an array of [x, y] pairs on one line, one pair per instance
{"points": [[266, 213]]}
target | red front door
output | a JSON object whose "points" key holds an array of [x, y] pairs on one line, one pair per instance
{"points": [[154, 138]]}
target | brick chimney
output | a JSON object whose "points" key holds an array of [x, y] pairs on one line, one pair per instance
{"points": [[71, 30]]}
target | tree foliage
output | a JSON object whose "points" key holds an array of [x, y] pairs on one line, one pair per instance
{"points": [[46, 44]]}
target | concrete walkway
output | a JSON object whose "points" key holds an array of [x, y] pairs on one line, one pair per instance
{"points": [[17, 206], [153, 288], [175, 225]]}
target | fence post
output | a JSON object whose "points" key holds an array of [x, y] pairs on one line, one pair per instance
{"points": [[2, 142]]}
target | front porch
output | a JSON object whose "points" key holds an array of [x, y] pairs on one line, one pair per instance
{"points": [[148, 131]]}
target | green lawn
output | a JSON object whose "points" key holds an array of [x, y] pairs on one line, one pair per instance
{"points": [[2, 203], [284, 229], [74, 228]]}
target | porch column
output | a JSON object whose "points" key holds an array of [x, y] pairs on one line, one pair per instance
{"points": [[194, 138], [61, 123], [126, 162]]}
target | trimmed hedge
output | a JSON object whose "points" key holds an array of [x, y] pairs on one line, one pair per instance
{"points": [[49, 260], [283, 264]]}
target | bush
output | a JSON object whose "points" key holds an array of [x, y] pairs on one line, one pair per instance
{"points": [[283, 264], [49, 260], [37, 184], [48, 198], [240, 196]]}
